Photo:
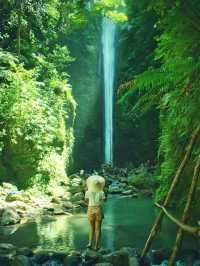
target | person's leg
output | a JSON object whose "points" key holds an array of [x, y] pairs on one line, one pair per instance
{"points": [[91, 232], [98, 233]]}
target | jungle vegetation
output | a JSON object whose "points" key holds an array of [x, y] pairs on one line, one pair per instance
{"points": [[158, 81]]}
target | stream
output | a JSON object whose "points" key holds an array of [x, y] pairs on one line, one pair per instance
{"points": [[127, 223]]}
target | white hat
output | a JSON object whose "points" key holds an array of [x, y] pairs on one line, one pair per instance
{"points": [[95, 183]]}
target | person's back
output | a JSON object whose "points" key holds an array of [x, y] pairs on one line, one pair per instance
{"points": [[95, 197]]}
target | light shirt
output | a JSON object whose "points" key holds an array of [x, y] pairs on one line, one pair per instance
{"points": [[95, 198]]}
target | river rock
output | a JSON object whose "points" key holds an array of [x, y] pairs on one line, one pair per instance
{"points": [[41, 257], [20, 260], [10, 216], [91, 256], [25, 252], [7, 249], [127, 192], [104, 264], [73, 259], [105, 251], [58, 210], [9, 186], [133, 261], [114, 189], [4, 261], [78, 196], [67, 205], [59, 255], [157, 256], [196, 263], [13, 197], [117, 258]]}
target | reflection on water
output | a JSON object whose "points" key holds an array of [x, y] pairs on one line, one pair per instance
{"points": [[127, 223]]}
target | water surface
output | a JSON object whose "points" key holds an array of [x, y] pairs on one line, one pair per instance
{"points": [[127, 223]]}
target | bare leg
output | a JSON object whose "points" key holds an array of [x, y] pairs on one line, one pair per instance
{"points": [[98, 233], [91, 232]]}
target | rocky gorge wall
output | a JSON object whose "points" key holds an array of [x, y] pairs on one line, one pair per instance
{"points": [[85, 46]]}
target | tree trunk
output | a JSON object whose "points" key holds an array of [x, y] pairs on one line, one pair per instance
{"points": [[186, 212], [19, 20], [175, 181]]}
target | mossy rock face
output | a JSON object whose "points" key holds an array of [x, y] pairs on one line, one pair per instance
{"points": [[86, 73]]}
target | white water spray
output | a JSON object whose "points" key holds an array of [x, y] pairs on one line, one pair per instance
{"points": [[108, 44]]}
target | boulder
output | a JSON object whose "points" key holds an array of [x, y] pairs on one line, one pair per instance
{"points": [[10, 216], [25, 252], [104, 264], [117, 258], [114, 189], [7, 250], [78, 196], [196, 263], [157, 256], [59, 255], [21, 260], [73, 259], [127, 192], [58, 210], [91, 256], [41, 257], [13, 197], [67, 205], [5, 261], [9, 186]]}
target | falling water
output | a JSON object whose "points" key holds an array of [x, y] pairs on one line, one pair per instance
{"points": [[108, 44]]}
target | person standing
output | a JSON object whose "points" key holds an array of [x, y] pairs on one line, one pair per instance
{"points": [[95, 197]]}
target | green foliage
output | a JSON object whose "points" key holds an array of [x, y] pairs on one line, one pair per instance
{"points": [[36, 125], [143, 178], [172, 85]]}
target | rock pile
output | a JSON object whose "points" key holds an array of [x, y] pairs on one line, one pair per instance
{"points": [[12, 256]]}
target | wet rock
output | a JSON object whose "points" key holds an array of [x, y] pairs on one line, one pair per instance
{"points": [[104, 264], [133, 261], [20, 260], [7, 249], [114, 189], [157, 256], [105, 251], [13, 197], [91, 256], [78, 196], [82, 203], [55, 200], [5, 261], [9, 186], [117, 258], [58, 210], [127, 192], [25, 252], [73, 176], [10, 216], [59, 255], [72, 259], [146, 193], [9, 230], [41, 257], [67, 205], [196, 263]]}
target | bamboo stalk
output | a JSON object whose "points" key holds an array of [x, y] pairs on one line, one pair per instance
{"points": [[19, 22], [185, 212], [175, 181], [185, 227]]}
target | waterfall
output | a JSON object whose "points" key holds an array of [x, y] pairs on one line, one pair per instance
{"points": [[108, 46]]}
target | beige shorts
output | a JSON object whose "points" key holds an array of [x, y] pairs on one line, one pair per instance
{"points": [[95, 213]]}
